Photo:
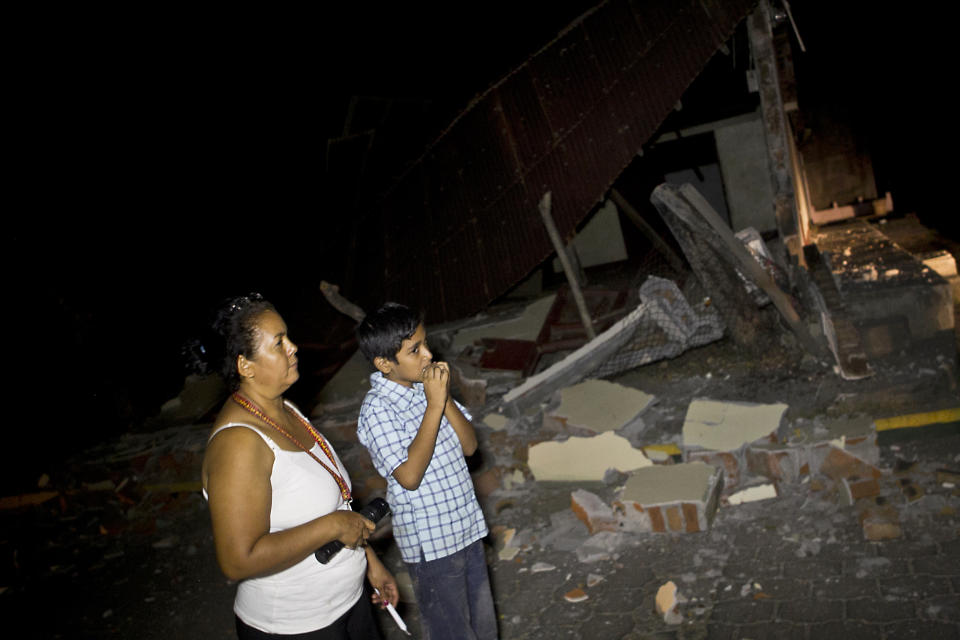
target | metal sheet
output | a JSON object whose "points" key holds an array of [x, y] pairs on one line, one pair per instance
{"points": [[568, 120]]}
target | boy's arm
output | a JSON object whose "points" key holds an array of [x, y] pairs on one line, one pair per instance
{"points": [[410, 473], [463, 427], [436, 383]]}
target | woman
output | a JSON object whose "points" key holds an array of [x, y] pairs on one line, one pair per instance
{"points": [[277, 492]]}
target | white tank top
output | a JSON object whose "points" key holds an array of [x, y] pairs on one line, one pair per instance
{"points": [[308, 595]]}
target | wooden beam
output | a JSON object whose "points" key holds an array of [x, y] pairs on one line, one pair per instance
{"points": [[544, 207], [751, 267], [659, 243]]}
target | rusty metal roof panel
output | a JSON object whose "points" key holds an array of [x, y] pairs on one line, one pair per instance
{"points": [[569, 120]]}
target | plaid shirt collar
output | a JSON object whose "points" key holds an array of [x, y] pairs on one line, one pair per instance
{"points": [[402, 397]]}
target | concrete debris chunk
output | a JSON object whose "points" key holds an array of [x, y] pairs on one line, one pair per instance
{"points": [[584, 459], [593, 579], [601, 546], [680, 497], [597, 405], [726, 426], [593, 512], [576, 595], [539, 567], [666, 603]]}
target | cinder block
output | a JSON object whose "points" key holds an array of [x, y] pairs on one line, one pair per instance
{"points": [[593, 512]]}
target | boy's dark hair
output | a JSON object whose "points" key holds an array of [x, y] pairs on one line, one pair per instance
{"points": [[381, 334]]}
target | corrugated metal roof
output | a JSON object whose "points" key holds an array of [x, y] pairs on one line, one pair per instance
{"points": [[461, 226]]}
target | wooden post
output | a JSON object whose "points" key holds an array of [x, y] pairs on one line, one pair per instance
{"points": [[659, 243], [544, 207], [332, 293], [752, 268]]}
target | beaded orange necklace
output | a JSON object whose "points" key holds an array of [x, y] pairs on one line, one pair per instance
{"points": [[258, 412]]}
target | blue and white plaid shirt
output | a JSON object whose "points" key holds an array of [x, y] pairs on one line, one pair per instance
{"points": [[442, 516]]}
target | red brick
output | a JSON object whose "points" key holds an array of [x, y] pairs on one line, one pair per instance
{"points": [[690, 516], [674, 518], [656, 520], [724, 460], [840, 464], [880, 523], [593, 512]]}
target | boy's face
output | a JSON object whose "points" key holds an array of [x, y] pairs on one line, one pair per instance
{"points": [[412, 358]]}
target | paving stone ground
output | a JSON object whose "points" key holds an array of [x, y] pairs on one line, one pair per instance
{"points": [[793, 567]]}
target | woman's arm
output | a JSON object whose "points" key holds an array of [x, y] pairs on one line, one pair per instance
{"points": [[380, 578], [238, 466]]}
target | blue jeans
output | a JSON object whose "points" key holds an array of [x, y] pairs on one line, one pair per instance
{"points": [[453, 595]]}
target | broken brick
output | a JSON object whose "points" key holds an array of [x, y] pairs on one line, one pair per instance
{"points": [[880, 523], [726, 461], [681, 497], [839, 463], [593, 512], [858, 488], [785, 464]]}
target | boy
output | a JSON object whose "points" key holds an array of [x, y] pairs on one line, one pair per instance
{"points": [[417, 436]]}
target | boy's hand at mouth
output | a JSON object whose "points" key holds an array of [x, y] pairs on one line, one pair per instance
{"points": [[436, 383]]}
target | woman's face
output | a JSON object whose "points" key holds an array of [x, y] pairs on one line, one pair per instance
{"points": [[274, 364]]}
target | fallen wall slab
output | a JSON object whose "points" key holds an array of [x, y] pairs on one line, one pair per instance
{"points": [[596, 405], [581, 459], [679, 498]]}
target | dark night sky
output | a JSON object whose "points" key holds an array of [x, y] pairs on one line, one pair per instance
{"points": [[168, 160]]}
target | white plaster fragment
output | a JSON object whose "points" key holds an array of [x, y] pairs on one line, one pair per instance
{"points": [[577, 459], [539, 567], [752, 494], [725, 426], [495, 421], [601, 406]]}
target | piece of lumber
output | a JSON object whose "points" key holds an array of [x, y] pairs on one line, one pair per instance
{"points": [[332, 293], [574, 367], [651, 234], [544, 207], [750, 266]]}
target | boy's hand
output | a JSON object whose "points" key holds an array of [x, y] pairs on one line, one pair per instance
{"points": [[436, 383]]}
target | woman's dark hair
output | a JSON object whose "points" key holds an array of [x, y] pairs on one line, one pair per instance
{"points": [[232, 332], [381, 334]]}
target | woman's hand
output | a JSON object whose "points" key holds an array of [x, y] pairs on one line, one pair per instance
{"points": [[353, 529], [381, 579]]}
